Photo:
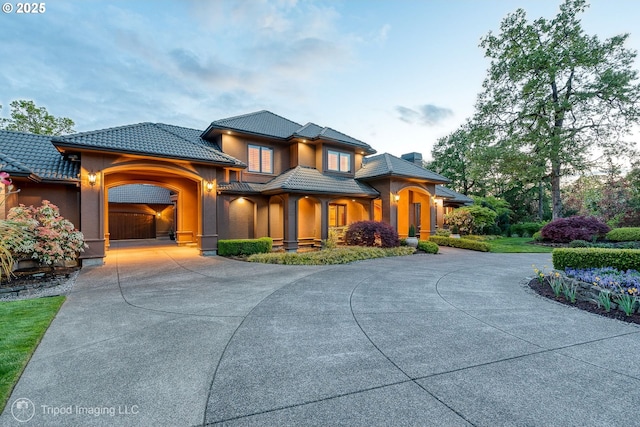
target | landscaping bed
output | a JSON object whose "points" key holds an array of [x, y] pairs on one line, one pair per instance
{"points": [[37, 282], [544, 289]]}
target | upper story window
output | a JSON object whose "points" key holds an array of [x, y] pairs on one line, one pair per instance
{"points": [[339, 162], [260, 159]]}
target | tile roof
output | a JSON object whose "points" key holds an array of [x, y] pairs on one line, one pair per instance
{"points": [[260, 123], [452, 196], [241, 187], [140, 193], [387, 165], [31, 154], [153, 139], [272, 125], [313, 131], [309, 180]]}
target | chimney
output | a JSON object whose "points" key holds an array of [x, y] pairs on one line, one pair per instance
{"points": [[414, 157]]}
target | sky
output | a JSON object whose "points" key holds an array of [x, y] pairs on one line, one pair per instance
{"points": [[397, 74]]}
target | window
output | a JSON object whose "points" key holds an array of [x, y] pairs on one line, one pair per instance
{"points": [[337, 215], [260, 159], [339, 162]]}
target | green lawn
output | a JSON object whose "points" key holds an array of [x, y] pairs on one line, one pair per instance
{"points": [[22, 325], [516, 245]]}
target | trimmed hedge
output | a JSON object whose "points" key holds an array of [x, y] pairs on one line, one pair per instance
{"points": [[235, 247], [624, 234], [341, 255], [428, 247], [621, 259], [460, 243]]}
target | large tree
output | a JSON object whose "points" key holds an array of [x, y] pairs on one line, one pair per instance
{"points": [[27, 117], [557, 95]]}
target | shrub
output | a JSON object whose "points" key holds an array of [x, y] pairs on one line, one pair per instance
{"points": [[483, 218], [428, 247], [460, 220], [526, 229], [624, 234], [460, 243], [372, 233], [342, 255], [236, 247], [443, 232], [48, 237], [620, 259], [412, 230], [564, 230], [579, 244]]}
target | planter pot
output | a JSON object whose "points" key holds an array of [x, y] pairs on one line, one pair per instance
{"points": [[412, 241]]}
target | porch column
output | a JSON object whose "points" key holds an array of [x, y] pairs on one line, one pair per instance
{"points": [[208, 239], [92, 217], [434, 215], [324, 219], [290, 219]]}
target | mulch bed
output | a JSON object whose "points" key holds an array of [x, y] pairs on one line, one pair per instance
{"points": [[545, 290], [37, 277]]}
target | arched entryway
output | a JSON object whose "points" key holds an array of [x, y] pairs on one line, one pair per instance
{"points": [[415, 206], [140, 211]]}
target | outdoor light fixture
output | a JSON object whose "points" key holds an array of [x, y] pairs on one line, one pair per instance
{"points": [[92, 178], [158, 214], [396, 197], [209, 186]]}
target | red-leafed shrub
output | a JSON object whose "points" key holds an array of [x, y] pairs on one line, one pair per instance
{"points": [[371, 233], [565, 230]]}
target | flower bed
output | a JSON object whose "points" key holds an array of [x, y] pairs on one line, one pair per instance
{"points": [[608, 288]]}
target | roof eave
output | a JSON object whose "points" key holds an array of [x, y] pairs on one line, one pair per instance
{"points": [[78, 147]]}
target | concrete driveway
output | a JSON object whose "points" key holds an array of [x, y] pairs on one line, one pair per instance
{"points": [[163, 337]]}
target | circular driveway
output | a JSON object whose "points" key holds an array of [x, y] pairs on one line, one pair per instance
{"points": [[161, 336]]}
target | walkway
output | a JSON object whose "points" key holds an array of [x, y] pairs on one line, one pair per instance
{"points": [[164, 337]]}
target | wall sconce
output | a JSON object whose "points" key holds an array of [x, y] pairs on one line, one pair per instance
{"points": [[158, 214], [209, 186], [396, 197], [93, 177]]}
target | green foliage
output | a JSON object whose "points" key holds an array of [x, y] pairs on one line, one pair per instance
{"points": [[27, 117], [460, 243], [341, 255], [412, 230], [537, 236], [546, 82], [526, 229], [579, 244], [461, 219], [22, 325], [604, 300], [556, 283], [625, 234], [428, 247], [239, 247], [443, 232], [483, 218], [626, 302], [621, 259]]}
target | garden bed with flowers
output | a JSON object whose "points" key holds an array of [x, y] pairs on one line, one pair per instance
{"points": [[604, 291]]}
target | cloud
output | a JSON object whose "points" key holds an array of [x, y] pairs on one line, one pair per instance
{"points": [[383, 34], [426, 115]]}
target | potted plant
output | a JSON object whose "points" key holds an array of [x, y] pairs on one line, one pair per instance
{"points": [[172, 235], [412, 240]]}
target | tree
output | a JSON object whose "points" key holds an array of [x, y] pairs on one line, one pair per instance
{"points": [[457, 156], [555, 94], [27, 117]]}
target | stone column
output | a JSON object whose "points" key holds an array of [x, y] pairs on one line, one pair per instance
{"points": [[92, 215]]}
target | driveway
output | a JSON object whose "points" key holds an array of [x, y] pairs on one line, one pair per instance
{"points": [[163, 337]]}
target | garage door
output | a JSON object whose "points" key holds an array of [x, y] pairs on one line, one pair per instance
{"points": [[123, 225]]}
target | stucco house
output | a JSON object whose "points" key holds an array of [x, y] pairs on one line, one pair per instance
{"points": [[246, 176]]}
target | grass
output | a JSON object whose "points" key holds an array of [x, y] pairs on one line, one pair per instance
{"points": [[22, 325], [516, 245]]}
